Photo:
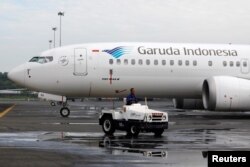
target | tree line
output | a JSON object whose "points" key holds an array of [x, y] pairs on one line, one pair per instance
{"points": [[5, 83]]}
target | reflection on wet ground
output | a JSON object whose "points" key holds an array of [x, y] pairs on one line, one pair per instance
{"points": [[179, 140], [166, 149], [144, 150], [191, 133]]}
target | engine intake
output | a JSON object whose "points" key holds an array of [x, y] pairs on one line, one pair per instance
{"points": [[226, 93]]}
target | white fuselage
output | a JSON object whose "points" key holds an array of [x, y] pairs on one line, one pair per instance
{"points": [[153, 69]]}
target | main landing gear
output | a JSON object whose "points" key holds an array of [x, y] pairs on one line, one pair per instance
{"points": [[65, 111]]}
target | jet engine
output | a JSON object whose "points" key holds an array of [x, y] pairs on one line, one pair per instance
{"points": [[226, 93]]}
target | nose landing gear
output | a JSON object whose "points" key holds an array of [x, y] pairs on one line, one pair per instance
{"points": [[65, 111]]}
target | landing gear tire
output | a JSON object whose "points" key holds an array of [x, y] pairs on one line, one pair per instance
{"points": [[133, 131], [158, 132], [108, 126], [65, 112], [52, 103]]}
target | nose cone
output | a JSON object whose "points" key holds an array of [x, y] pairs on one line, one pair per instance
{"points": [[17, 75]]}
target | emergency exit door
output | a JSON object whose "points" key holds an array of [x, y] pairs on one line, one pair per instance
{"points": [[80, 62], [244, 66]]}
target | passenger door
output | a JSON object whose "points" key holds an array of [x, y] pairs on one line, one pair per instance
{"points": [[80, 62]]}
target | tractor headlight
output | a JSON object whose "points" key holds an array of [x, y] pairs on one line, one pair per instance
{"points": [[164, 117], [163, 154], [150, 117]]}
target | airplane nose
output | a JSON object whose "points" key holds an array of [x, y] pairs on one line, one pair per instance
{"points": [[17, 75]]}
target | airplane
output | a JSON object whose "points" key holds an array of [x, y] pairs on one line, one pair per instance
{"points": [[215, 74]]}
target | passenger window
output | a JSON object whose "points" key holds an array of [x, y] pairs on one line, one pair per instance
{"points": [[126, 61], [237, 64], [187, 63], [133, 61], [171, 62], [148, 62], [118, 61], [210, 63], [163, 62], [244, 63], [231, 63], [194, 63], [224, 63], [155, 62], [111, 61], [140, 62], [180, 62]]}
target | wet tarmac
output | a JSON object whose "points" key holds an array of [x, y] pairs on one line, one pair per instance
{"points": [[34, 134]]}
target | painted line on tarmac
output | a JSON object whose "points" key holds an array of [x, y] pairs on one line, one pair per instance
{"points": [[3, 113]]}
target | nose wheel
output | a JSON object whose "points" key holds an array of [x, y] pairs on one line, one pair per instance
{"points": [[65, 111]]}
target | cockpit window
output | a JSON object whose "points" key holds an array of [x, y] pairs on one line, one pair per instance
{"points": [[34, 59], [42, 60]]}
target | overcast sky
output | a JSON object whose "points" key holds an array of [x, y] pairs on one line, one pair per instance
{"points": [[25, 25]]}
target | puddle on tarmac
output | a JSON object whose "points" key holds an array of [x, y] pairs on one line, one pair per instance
{"points": [[174, 147], [198, 138]]}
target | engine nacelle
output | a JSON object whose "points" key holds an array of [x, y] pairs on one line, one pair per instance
{"points": [[226, 93], [188, 103]]}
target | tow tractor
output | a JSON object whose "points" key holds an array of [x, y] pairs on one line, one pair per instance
{"points": [[134, 119]]}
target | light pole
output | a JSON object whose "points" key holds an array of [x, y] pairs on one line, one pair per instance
{"points": [[50, 41], [60, 14], [54, 29]]}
